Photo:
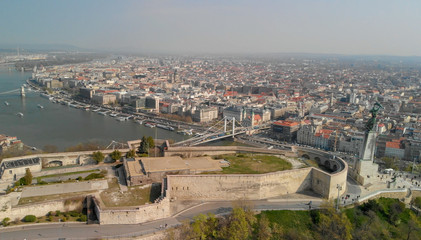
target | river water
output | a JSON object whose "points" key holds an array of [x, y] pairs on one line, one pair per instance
{"points": [[61, 125]]}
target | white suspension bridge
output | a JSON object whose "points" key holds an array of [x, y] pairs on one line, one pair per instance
{"points": [[11, 91], [230, 128], [21, 90]]}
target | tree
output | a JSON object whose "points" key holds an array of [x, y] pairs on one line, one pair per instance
{"points": [[333, 225], [240, 224], [205, 226], [264, 232], [115, 155], [131, 154], [151, 142], [25, 180], [98, 156], [28, 176], [414, 226], [395, 210], [199, 226], [390, 162], [143, 148]]}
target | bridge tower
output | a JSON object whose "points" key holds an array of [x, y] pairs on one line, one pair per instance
{"points": [[233, 127], [225, 124], [22, 91]]}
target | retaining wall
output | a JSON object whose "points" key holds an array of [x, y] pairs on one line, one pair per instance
{"points": [[237, 186], [37, 209], [141, 214]]}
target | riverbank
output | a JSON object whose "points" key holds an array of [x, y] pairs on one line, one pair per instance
{"points": [[141, 118], [61, 125]]}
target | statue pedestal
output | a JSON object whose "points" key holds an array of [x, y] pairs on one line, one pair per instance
{"points": [[369, 146], [365, 171]]}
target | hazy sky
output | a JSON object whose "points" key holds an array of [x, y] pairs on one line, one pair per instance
{"points": [[389, 27]]}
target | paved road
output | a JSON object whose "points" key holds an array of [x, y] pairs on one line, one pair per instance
{"points": [[224, 207], [83, 231]]}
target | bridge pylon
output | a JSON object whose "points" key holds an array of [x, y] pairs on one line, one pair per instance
{"points": [[233, 127]]}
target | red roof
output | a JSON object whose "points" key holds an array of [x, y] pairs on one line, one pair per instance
{"points": [[326, 131], [286, 123], [230, 93], [393, 145]]}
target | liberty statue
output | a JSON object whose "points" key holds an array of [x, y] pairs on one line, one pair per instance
{"points": [[372, 121]]}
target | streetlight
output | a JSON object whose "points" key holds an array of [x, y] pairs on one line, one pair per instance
{"points": [[339, 187]]}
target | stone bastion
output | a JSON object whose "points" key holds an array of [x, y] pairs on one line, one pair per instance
{"points": [[257, 186]]}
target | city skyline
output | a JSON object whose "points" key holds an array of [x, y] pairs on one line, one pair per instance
{"points": [[326, 27]]}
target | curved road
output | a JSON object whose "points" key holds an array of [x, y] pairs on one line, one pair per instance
{"points": [[83, 231]]}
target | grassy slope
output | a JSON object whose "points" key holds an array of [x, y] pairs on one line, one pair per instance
{"points": [[254, 163]]}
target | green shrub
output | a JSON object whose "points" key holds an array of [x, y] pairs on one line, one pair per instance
{"points": [[5, 222], [74, 214], [94, 176], [64, 219], [79, 178], [41, 182], [29, 218], [83, 218], [58, 213], [50, 218]]}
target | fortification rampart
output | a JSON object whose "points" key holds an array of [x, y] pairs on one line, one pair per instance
{"points": [[238, 186], [50, 159], [37, 209], [258, 186], [141, 214]]}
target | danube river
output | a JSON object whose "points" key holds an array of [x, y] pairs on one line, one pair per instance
{"points": [[61, 125]]}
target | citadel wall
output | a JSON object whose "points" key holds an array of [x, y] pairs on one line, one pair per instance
{"points": [[141, 214], [37, 209], [248, 186]]}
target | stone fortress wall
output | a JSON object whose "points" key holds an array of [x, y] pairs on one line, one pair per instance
{"points": [[37, 209], [238, 186], [198, 187], [230, 186], [254, 186], [212, 187], [257, 186], [141, 214], [46, 159]]}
